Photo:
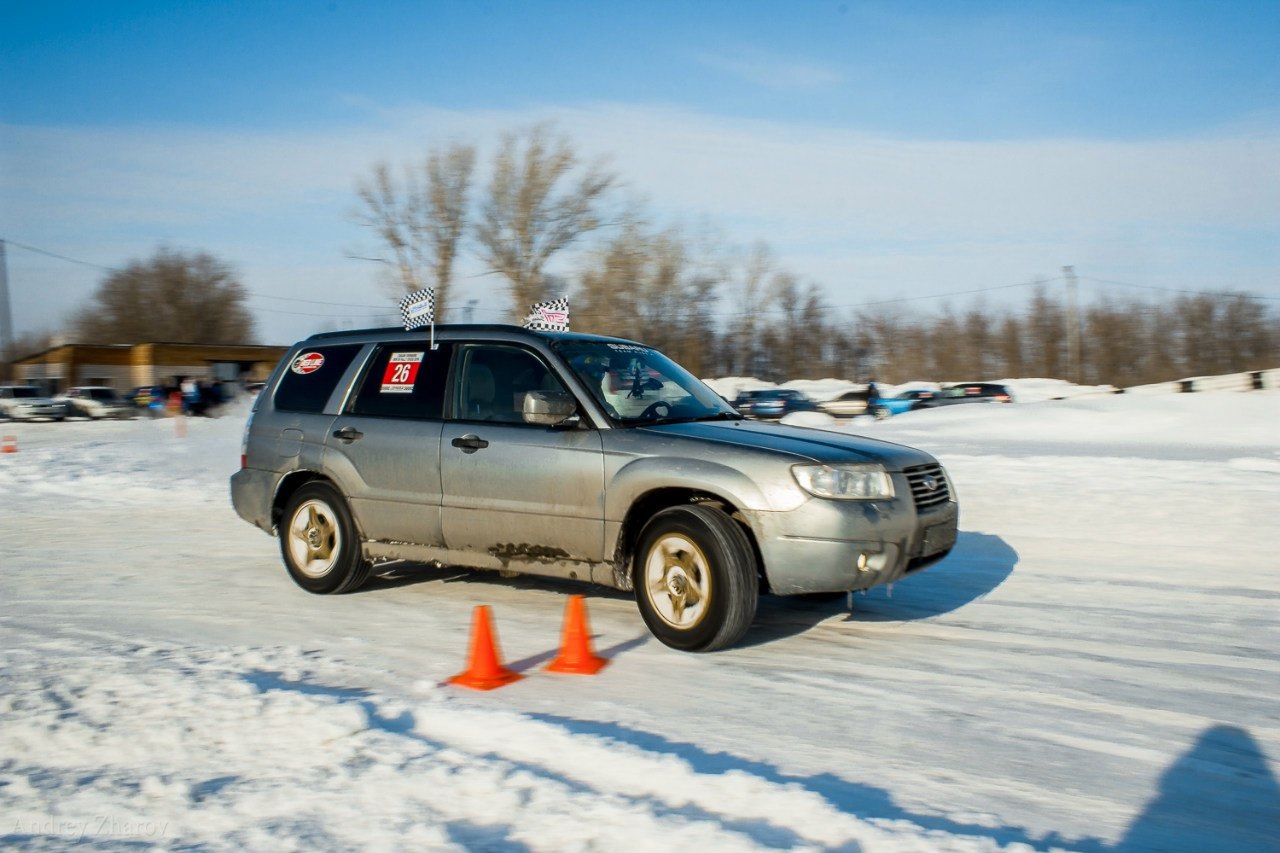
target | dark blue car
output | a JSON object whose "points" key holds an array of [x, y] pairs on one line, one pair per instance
{"points": [[773, 403]]}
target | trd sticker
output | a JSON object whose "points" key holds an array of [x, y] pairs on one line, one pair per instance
{"points": [[401, 372], [308, 362]]}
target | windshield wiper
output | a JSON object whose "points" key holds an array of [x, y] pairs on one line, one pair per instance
{"points": [[718, 416]]}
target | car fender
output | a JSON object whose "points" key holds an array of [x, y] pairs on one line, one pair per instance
{"points": [[639, 477]]}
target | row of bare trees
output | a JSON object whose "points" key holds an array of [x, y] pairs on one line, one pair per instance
{"points": [[1121, 342], [720, 311], [725, 312]]}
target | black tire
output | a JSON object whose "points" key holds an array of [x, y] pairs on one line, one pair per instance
{"points": [[319, 543], [695, 578]]}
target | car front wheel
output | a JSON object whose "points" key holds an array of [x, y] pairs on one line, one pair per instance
{"points": [[319, 543], [695, 578]]}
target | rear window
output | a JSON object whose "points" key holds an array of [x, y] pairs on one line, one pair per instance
{"points": [[404, 380], [311, 375]]}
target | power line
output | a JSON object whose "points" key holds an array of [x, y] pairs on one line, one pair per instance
{"points": [[250, 293], [718, 314], [391, 307], [1033, 283], [1179, 290], [61, 257]]}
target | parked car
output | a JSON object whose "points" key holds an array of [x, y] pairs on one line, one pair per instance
{"points": [[28, 403], [96, 402], [773, 403], [572, 456], [905, 401], [968, 392], [846, 405]]}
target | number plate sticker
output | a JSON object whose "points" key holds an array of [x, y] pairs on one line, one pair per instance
{"points": [[401, 372]]}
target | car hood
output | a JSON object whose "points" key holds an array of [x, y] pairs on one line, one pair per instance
{"points": [[37, 401], [803, 443]]}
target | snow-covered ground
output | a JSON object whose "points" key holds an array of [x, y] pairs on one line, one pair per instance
{"points": [[1096, 667]]}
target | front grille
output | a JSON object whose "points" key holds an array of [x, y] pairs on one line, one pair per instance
{"points": [[921, 477]]}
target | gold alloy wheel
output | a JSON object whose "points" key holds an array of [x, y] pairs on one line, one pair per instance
{"points": [[314, 539], [677, 581]]}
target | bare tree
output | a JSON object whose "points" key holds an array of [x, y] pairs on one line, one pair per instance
{"points": [[798, 335], [530, 214], [422, 220], [173, 297], [1046, 336], [978, 341], [751, 297], [23, 345], [650, 286], [1011, 347]]}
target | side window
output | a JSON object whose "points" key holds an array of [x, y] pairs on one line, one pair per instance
{"points": [[404, 380], [310, 377], [493, 381]]}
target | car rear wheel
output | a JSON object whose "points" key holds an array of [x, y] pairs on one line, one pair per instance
{"points": [[695, 578], [319, 543]]}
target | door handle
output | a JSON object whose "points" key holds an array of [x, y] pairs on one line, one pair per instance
{"points": [[348, 434], [470, 443]]}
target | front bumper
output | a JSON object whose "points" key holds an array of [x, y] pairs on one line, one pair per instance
{"points": [[53, 411], [838, 546]]}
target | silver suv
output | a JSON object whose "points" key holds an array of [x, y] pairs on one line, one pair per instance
{"points": [[572, 456]]}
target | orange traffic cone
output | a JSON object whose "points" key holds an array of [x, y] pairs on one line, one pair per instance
{"points": [[10, 444], [576, 655], [484, 670]]}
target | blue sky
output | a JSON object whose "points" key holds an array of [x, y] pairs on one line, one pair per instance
{"points": [[882, 149]]}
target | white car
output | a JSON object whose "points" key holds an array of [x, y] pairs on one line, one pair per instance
{"points": [[27, 403], [96, 401]]}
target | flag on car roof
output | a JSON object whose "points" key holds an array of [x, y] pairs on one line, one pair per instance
{"points": [[418, 309], [549, 316]]}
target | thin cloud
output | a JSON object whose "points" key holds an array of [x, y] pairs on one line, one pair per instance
{"points": [[773, 72]]}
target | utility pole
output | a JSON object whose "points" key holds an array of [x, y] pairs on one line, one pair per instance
{"points": [[1073, 326], [6, 317]]}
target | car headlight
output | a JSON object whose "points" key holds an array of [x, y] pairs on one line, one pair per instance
{"points": [[852, 481]]}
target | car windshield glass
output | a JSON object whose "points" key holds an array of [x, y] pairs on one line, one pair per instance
{"points": [[104, 394], [26, 392], [637, 384]]}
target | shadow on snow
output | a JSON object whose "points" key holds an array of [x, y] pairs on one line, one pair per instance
{"points": [[978, 564]]}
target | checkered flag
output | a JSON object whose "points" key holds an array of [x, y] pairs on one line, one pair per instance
{"points": [[418, 309], [549, 316]]}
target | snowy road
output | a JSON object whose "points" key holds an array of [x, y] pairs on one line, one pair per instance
{"points": [[1096, 667]]}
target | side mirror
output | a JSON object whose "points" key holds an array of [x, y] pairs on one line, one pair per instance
{"points": [[549, 408]]}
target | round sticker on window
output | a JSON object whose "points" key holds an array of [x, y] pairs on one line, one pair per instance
{"points": [[308, 362]]}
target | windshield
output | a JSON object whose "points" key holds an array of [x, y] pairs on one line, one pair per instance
{"points": [[104, 394], [26, 392], [637, 384]]}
